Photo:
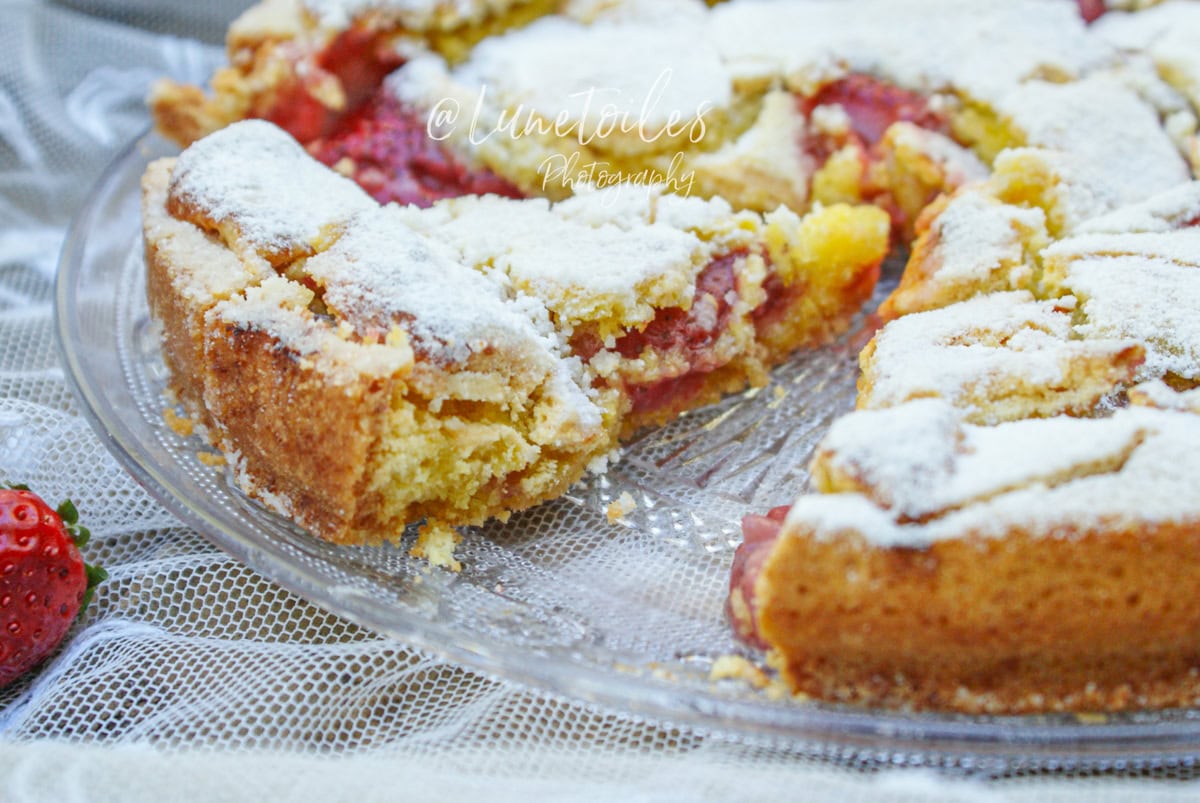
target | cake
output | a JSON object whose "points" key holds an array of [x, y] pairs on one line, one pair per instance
{"points": [[514, 233], [366, 366]]}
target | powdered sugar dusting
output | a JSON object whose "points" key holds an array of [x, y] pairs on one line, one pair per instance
{"points": [[656, 266], [919, 459], [646, 74], [1106, 128], [1181, 247], [1157, 393], [982, 49], [254, 177], [977, 235], [1167, 33], [279, 306], [381, 274], [418, 15], [1136, 469], [581, 267], [1158, 484], [1167, 211], [994, 343], [1152, 301]]}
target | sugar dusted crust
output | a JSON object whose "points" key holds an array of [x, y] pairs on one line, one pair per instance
{"points": [[996, 357], [352, 392], [1033, 566]]}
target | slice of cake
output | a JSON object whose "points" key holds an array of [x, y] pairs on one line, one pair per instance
{"points": [[1034, 566], [365, 366]]}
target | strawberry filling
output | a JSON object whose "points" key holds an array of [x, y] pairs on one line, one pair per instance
{"points": [[759, 534], [1091, 10], [688, 334], [692, 331], [872, 106], [386, 148], [357, 59], [688, 337]]}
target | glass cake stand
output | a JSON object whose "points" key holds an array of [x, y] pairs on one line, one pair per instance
{"points": [[627, 613]]}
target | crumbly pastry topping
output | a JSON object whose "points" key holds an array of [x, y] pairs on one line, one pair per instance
{"points": [[1158, 394], [280, 307], [415, 15], [645, 76], [1149, 300], [1169, 211], [1180, 247], [236, 183], [969, 243], [920, 461], [582, 269], [1165, 227], [525, 102], [203, 274], [982, 49], [997, 357], [1167, 34], [1104, 128], [380, 274], [1039, 477]]}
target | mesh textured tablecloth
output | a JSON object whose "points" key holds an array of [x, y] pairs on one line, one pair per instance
{"points": [[193, 677]]}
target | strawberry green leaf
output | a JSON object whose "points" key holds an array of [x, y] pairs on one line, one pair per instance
{"points": [[67, 512], [80, 535], [85, 601], [95, 575]]}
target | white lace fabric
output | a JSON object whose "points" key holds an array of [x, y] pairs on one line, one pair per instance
{"points": [[192, 676]]}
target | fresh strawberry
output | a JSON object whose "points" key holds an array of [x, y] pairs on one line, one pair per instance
{"points": [[44, 583]]}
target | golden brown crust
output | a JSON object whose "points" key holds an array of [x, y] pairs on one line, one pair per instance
{"points": [[187, 273], [1086, 620], [298, 435]]}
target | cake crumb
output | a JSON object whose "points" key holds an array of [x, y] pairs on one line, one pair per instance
{"points": [[1089, 718], [736, 667], [435, 543], [182, 426], [620, 507], [211, 459]]}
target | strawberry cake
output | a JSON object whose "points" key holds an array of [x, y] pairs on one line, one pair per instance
{"points": [[480, 243], [465, 360]]}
